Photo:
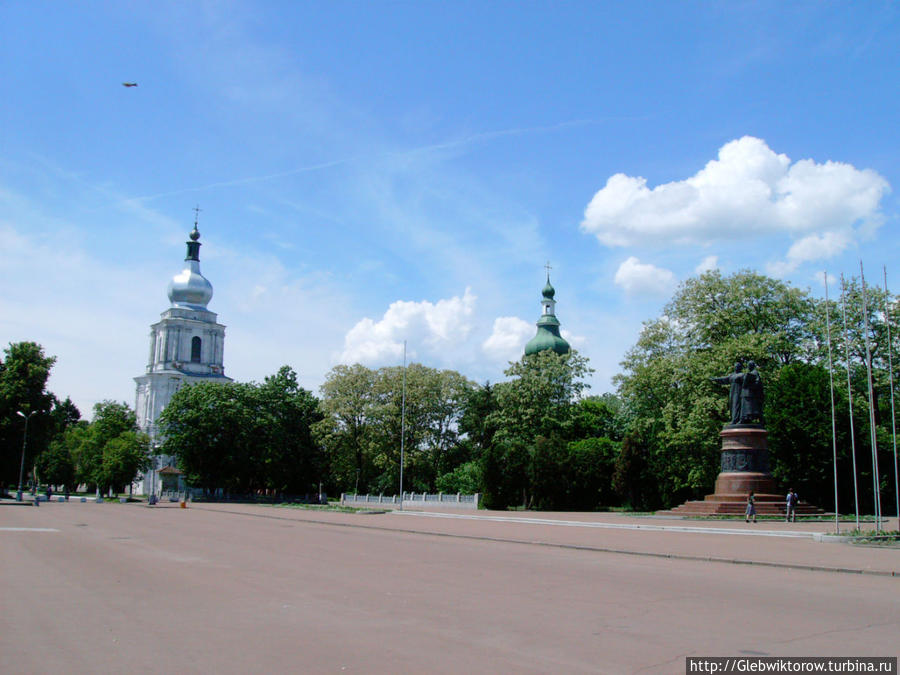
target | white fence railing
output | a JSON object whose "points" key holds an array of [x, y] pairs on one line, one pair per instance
{"points": [[414, 499]]}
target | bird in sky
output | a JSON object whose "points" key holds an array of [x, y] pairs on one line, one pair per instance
{"points": [[129, 84]]}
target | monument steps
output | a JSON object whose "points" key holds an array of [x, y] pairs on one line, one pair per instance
{"points": [[717, 507]]}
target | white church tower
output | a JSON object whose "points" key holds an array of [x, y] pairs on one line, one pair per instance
{"points": [[186, 346]]}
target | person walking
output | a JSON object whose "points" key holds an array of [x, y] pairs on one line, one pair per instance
{"points": [[790, 511], [751, 508]]}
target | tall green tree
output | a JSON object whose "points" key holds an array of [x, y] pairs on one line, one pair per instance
{"points": [[24, 370], [347, 430], [124, 457], [548, 479], [633, 479], [590, 466], [292, 459], [573, 476], [55, 465], [109, 452], [112, 419], [538, 399], [213, 431], [478, 423], [435, 401], [528, 461], [64, 414], [601, 416], [362, 426], [504, 470], [713, 310], [245, 437]]}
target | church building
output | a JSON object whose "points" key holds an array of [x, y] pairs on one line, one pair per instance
{"points": [[547, 336], [186, 346]]}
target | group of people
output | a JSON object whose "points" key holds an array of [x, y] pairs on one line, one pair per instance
{"points": [[790, 507]]}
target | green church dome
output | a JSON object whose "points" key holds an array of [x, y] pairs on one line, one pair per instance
{"points": [[546, 339], [547, 336]]}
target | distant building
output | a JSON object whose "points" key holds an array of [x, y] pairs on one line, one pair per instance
{"points": [[547, 336], [186, 346]]}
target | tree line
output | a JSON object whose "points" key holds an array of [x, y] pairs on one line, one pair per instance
{"points": [[536, 439], [62, 450]]}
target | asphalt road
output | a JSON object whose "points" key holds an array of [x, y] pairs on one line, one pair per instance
{"points": [[90, 588]]}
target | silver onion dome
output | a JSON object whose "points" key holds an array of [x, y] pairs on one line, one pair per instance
{"points": [[189, 288]]}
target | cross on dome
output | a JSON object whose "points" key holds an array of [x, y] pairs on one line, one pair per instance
{"points": [[195, 233]]}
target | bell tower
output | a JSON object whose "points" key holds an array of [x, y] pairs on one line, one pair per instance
{"points": [[186, 346]]}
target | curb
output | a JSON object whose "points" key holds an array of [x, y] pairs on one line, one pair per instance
{"points": [[825, 538]]}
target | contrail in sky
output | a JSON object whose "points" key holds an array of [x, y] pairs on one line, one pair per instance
{"points": [[488, 135], [242, 181], [461, 142]]}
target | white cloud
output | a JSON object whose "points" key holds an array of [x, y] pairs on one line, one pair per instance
{"points": [[576, 341], [428, 327], [809, 249], [818, 246], [748, 192], [636, 277], [710, 262], [780, 268], [508, 338]]}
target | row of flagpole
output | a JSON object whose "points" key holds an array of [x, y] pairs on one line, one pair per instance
{"points": [[873, 437], [887, 318]]}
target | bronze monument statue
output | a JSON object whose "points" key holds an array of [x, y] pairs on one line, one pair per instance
{"points": [[745, 398], [752, 396], [736, 380]]}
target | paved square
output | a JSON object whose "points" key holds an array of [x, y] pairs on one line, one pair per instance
{"points": [[243, 589]]}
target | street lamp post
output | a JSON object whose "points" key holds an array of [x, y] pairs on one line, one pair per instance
{"points": [[24, 443]]}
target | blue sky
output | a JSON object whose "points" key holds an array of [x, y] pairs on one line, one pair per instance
{"points": [[370, 172]]}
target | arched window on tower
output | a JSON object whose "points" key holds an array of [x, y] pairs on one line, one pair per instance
{"points": [[195, 349]]}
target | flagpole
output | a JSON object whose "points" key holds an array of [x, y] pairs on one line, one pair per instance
{"points": [[837, 526], [402, 424], [873, 438], [850, 401], [887, 320]]}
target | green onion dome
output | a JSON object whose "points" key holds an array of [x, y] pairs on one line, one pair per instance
{"points": [[547, 336]]}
